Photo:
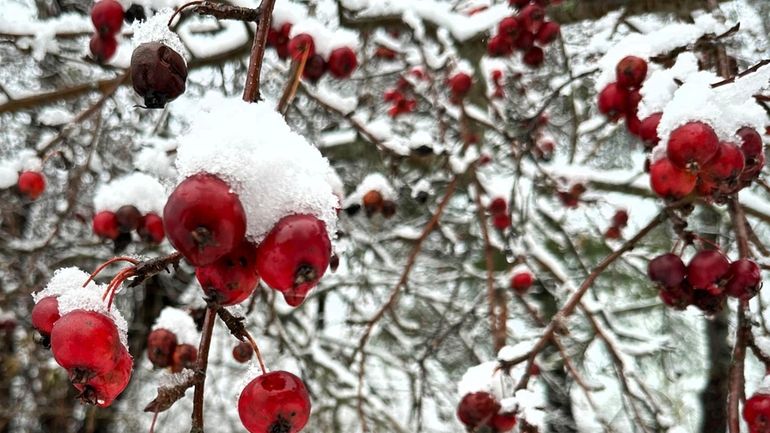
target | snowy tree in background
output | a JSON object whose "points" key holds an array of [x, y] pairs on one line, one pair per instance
{"points": [[477, 216]]}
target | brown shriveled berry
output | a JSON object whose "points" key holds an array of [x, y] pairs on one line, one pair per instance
{"points": [[158, 74]]}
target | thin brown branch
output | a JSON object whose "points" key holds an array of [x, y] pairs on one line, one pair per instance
{"points": [[200, 368], [751, 70], [251, 90], [297, 68]]}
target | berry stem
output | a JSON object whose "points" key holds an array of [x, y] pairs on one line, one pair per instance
{"points": [[298, 67], [254, 346], [201, 366], [115, 283], [107, 263], [251, 90], [181, 8]]}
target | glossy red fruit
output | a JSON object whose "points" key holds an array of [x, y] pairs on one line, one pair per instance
{"points": [[743, 279], [678, 297], [525, 41], [633, 124], [129, 218], [315, 68], [103, 47], [107, 17], [161, 344], [460, 84], [498, 205], [151, 228], [102, 390], [501, 221], [532, 17], [499, 46], [756, 413], [509, 27], [44, 314], [648, 130], [613, 101], [522, 281], [706, 269], [477, 409], [158, 74], [620, 219], [534, 57], [667, 270], [631, 72], [31, 184], [300, 44], [105, 224], [751, 143], [233, 278], [632, 102], [669, 181], [548, 33], [185, 356], [85, 343], [274, 402], [203, 219], [294, 256], [727, 164], [503, 422], [342, 62], [692, 145], [243, 352]]}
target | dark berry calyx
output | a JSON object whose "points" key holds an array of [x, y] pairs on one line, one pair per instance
{"points": [[281, 425]]}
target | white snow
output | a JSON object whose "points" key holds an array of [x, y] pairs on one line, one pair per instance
{"points": [[287, 12], [180, 323], [372, 182], [325, 40], [62, 281], [156, 29], [137, 189], [8, 174]]}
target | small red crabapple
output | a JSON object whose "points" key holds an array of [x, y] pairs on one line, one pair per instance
{"points": [[692, 145], [501, 221], [300, 44], [667, 270], [107, 17], [756, 413], [101, 390], [185, 356], [498, 205], [669, 181], [388, 208], [129, 218], [161, 344], [726, 165], [105, 224], [499, 46], [680, 296], [233, 277], [45, 313], [532, 17], [743, 279], [534, 57], [85, 343], [633, 124], [342, 62], [620, 219], [372, 202], [613, 101], [31, 184], [706, 269], [151, 228], [548, 33], [522, 281], [525, 41], [612, 232], [477, 409], [648, 130], [509, 27], [751, 143], [315, 68], [103, 47], [503, 422], [274, 402], [631, 72], [242, 352], [460, 84]]}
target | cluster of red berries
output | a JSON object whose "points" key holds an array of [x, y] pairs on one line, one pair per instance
{"points": [[88, 346], [205, 221], [621, 98], [401, 97], [521, 281], [706, 281], [164, 351], [107, 17], [498, 209], [373, 203], [31, 184], [481, 409], [524, 32], [570, 197], [340, 64], [696, 160], [274, 402], [756, 412], [619, 221], [117, 226]]}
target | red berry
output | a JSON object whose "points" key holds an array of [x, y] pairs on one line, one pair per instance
{"points": [[669, 181], [129, 218], [727, 165], [525, 41], [342, 62], [522, 281], [388, 208], [679, 297], [499, 46], [620, 219], [315, 68], [498, 205], [107, 16], [86, 344], [103, 47], [548, 33], [151, 228], [648, 130], [477, 409], [460, 84], [509, 27], [158, 74], [534, 57], [532, 17], [203, 219], [102, 389], [743, 279], [667, 270], [631, 72], [274, 402], [633, 124], [752, 170], [632, 102], [501, 221], [503, 422], [692, 145], [161, 344], [300, 44], [243, 352], [756, 413], [44, 314], [294, 256], [612, 232], [372, 202], [105, 225], [232, 278], [706, 268], [613, 101], [31, 184], [185, 356], [751, 143]]}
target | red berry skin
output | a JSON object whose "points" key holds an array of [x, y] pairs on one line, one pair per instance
{"points": [[727, 165], [648, 130], [613, 101], [548, 33], [532, 17], [525, 41], [315, 68], [203, 219], [460, 84], [499, 46], [477, 409], [233, 278], [743, 279], [612, 233], [501, 221], [102, 390], [521, 282], [667, 270], [751, 143], [31, 184], [509, 27], [299, 44], [103, 47], [274, 402], [631, 72], [158, 74], [633, 124], [503, 422], [107, 17], [44, 314], [243, 352], [342, 62], [620, 219], [756, 413], [105, 225], [669, 181], [185, 356], [161, 344], [498, 205], [534, 57], [129, 218], [692, 145], [706, 268], [151, 228], [294, 256], [85, 343]]}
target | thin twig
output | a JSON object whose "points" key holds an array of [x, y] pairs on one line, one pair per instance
{"points": [[200, 369], [251, 91]]}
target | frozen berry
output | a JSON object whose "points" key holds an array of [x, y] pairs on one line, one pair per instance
{"points": [[300, 44], [743, 279], [667, 270], [522, 281], [477, 409], [503, 422], [648, 130], [158, 74], [525, 41], [751, 143], [388, 208], [706, 268], [509, 27], [501, 221], [274, 402], [101, 390], [185, 356], [756, 413], [548, 33], [534, 57], [692, 145], [85, 343], [342, 62], [151, 228], [243, 352], [613, 232], [669, 181], [315, 68], [726, 165], [161, 344], [612, 101], [107, 16], [631, 72], [372, 202], [129, 218], [105, 224], [499, 46], [31, 184], [232, 278], [203, 219], [44, 314], [620, 219], [460, 84], [103, 47], [532, 17], [498, 205]]}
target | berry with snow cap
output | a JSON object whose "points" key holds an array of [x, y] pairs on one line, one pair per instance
{"points": [[692, 145], [342, 62], [107, 17], [631, 72], [86, 344], [158, 73]]}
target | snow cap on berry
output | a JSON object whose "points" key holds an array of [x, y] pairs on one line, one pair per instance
{"points": [[325, 40], [91, 300], [287, 13], [180, 323], [24, 160], [64, 280], [372, 182], [137, 189], [156, 29]]}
